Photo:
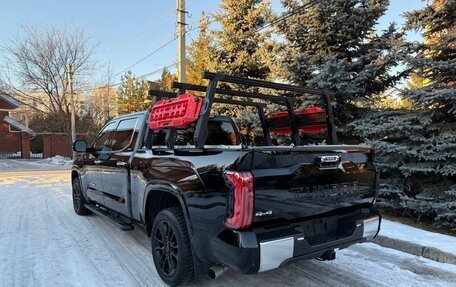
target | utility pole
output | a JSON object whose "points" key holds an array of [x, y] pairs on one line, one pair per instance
{"points": [[73, 120], [107, 98], [181, 41]]}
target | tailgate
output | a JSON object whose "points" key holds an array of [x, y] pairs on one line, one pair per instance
{"points": [[294, 183]]}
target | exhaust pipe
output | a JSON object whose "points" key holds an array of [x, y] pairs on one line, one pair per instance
{"points": [[216, 271]]}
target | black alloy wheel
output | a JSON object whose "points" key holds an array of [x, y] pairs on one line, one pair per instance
{"points": [[171, 249], [78, 199], [166, 249]]}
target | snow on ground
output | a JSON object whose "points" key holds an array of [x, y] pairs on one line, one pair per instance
{"points": [[56, 162], [44, 243], [404, 232]]}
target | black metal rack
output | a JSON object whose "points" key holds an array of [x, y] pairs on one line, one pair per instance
{"points": [[211, 91]]}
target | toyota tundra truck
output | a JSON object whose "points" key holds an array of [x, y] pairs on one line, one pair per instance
{"points": [[210, 200]]}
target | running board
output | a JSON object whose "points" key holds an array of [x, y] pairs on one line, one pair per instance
{"points": [[114, 218]]}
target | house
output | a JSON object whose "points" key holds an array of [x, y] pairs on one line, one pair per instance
{"points": [[14, 136]]}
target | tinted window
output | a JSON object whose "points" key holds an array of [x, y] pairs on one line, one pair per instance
{"points": [[219, 133], [125, 135], [104, 135]]}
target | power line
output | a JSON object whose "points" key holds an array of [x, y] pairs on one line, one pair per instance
{"points": [[145, 57], [146, 29], [132, 54], [267, 25], [143, 32], [278, 20], [288, 15], [119, 83], [134, 64], [156, 71]]}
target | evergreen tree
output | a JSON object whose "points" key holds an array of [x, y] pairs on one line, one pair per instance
{"points": [[416, 148], [166, 80], [240, 44], [132, 95], [416, 82], [332, 44], [200, 53], [241, 47]]}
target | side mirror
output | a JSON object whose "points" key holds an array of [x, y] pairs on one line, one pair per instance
{"points": [[80, 146]]}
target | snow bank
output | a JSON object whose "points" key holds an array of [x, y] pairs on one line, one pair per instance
{"points": [[418, 236], [58, 159], [56, 162]]}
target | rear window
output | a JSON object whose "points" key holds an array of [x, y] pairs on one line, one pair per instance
{"points": [[218, 133]]}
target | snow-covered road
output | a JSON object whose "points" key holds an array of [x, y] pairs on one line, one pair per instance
{"points": [[43, 243]]}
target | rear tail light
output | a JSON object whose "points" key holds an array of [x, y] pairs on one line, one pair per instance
{"points": [[243, 196]]}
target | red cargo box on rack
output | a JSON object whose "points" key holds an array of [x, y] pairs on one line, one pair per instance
{"points": [[175, 113], [310, 120]]}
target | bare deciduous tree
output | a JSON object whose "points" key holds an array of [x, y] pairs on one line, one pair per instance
{"points": [[35, 63]]}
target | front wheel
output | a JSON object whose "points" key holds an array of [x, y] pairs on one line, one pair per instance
{"points": [[171, 249], [78, 199]]}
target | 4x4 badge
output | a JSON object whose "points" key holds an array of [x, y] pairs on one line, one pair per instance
{"points": [[261, 213]]}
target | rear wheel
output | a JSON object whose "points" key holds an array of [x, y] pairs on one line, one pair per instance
{"points": [[171, 249], [78, 199]]}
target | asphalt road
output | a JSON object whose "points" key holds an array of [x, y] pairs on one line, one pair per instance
{"points": [[44, 243]]}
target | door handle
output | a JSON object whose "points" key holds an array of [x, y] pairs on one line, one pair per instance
{"points": [[97, 162], [122, 164]]}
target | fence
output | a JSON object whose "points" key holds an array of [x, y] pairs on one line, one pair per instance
{"points": [[45, 145], [60, 144], [14, 145]]}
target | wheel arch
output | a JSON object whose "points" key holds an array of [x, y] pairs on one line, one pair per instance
{"points": [[159, 197]]}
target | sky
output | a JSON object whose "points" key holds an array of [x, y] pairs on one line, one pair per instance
{"points": [[125, 32]]}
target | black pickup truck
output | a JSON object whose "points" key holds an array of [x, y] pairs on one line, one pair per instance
{"points": [[210, 201]]}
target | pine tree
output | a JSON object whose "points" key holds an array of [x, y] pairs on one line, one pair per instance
{"points": [[166, 80], [416, 82], [241, 45], [332, 44], [132, 95], [200, 53], [416, 148]]}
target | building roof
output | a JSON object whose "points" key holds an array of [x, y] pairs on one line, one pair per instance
{"points": [[17, 125], [10, 100]]}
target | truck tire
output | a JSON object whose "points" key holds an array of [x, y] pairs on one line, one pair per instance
{"points": [[78, 199], [171, 249]]}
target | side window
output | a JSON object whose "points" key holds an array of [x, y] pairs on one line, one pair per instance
{"points": [[125, 136], [103, 137]]}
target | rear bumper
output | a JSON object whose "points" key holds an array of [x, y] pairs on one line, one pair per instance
{"points": [[275, 253], [257, 253]]}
